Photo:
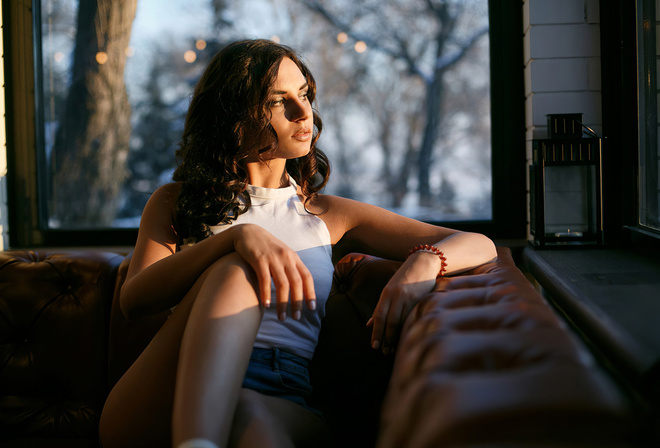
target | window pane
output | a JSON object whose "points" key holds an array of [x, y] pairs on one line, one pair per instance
{"points": [[649, 156], [404, 94]]}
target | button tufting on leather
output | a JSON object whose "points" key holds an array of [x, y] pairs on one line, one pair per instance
{"points": [[54, 309]]}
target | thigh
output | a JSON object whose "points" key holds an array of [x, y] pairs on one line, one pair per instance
{"points": [[138, 410], [267, 421]]}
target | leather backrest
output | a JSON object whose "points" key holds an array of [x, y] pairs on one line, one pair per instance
{"points": [[54, 314]]}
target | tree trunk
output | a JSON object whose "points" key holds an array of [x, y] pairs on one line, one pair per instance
{"points": [[91, 146], [434, 99], [433, 118], [399, 185]]}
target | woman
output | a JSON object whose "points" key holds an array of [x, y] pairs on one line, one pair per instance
{"points": [[240, 247]]}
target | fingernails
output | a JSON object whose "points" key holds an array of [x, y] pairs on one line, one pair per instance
{"points": [[371, 319], [386, 350], [267, 303], [375, 345], [312, 305], [296, 315], [282, 316]]}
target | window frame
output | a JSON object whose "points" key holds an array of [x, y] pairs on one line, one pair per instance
{"points": [[27, 213], [620, 121], [648, 115]]}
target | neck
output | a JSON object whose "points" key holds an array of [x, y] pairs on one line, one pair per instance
{"points": [[269, 174]]}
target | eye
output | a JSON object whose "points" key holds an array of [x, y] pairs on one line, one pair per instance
{"points": [[304, 95], [277, 102]]}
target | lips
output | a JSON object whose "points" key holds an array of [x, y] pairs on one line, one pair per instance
{"points": [[302, 135]]}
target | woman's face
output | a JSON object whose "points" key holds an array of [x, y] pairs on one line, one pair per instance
{"points": [[291, 111]]}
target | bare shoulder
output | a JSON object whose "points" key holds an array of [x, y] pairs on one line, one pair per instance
{"points": [[157, 237], [336, 205], [339, 214], [328, 208], [162, 202], [158, 214], [167, 193]]}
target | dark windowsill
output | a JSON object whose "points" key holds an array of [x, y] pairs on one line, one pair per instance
{"points": [[611, 295]]}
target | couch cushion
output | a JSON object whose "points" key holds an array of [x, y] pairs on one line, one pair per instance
{"points": [[483, 361], [54, 310]]}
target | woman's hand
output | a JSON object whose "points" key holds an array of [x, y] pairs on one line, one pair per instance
{"points": [[412, 281], [273, 260]]}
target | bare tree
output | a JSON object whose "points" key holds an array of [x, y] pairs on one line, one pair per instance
{"points": [[92, 141], [426, 37]]}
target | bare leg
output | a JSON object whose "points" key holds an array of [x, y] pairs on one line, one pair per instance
{"points": [[265, 422], [215, 351], [139, 409]]}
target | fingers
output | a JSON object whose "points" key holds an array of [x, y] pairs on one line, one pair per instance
{"points": [[294, 285], [376, 322], [263, 275], [386, 323], [278, 267], [388, 319], [393, 329], [296, 294], [309, 293], [281, 283]]}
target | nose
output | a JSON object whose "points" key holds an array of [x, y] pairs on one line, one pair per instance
{"points": [[298, 110]]}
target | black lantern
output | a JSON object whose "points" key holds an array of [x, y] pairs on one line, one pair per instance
{"points": [[565, 185]]}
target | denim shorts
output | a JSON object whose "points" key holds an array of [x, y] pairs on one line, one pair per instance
{"points": [[277, 373]]}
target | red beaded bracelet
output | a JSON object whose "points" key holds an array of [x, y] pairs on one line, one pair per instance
{"points": [[433, 250]]}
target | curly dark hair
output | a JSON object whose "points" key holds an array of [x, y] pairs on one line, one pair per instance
{"points": [[227, 124]]}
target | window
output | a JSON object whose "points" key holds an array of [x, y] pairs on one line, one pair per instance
{"points": [[629, 76], [649, 156], [109, 111]]}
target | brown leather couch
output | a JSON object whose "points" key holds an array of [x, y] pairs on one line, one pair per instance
{"points": [[483, 361]]}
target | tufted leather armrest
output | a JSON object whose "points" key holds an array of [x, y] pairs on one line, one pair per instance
{"points": [[54, 312], [484, 360]]}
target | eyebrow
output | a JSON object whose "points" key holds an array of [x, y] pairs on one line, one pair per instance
{"points": [[282, 92]]}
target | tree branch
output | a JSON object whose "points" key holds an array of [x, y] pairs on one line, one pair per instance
{"points": [[444, 62], [400, 53]]}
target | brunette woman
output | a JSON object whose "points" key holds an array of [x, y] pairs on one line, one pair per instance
{"points": [[240, 248]]}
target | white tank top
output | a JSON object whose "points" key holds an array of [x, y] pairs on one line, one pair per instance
{"points": [[280, 211]]}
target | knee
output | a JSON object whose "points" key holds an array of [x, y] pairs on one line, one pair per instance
{"points": [[229, 284], [232, 262], [231, 268]]}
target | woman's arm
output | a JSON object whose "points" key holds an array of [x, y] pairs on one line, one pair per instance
{"points": [[369, 229], [358, 227], [159, 276], [416, 278]]}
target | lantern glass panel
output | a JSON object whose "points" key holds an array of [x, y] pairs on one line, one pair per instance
{"points": [[570, 202]]}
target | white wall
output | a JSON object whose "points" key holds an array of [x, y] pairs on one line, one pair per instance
{"points": [[562, 63]]}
